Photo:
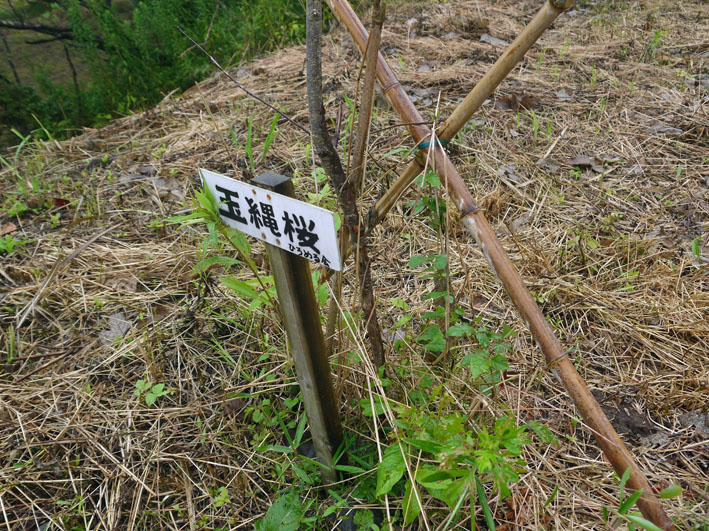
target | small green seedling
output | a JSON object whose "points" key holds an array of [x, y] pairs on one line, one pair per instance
{"points": [[8, 244], [152, 391]]}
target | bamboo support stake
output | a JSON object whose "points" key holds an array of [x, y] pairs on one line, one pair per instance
{"points": [[482, 90], [474, 221], [472, 102]]}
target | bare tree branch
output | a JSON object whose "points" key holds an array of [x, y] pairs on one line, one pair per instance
{"points": [[8, 53], [57, 33], [333, 167], [34, 26]]}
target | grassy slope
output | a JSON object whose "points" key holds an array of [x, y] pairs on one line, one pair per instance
{"points": [[608, 254]]}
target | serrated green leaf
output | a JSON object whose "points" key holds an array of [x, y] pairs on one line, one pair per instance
{"points": [[460, 330], [284, 515], [477, 363], [432, 339], [226, 261], [157, 388], [432, 179]]}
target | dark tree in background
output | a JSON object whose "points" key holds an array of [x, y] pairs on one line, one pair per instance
{"points": [[123, 55]]}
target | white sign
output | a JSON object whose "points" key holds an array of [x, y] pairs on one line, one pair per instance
{"points": [[298, 227]]}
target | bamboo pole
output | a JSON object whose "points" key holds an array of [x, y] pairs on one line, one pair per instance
{"points": [[472, 102], [474, 221]]}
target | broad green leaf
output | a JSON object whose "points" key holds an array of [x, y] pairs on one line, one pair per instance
{"points": [[158, 388], [483, 502], [628, 504], [411, 505], [446, 486], [399, 303], [433, 179], [432, 447], [432, 339], [671, 492], [239, 240], [438, 313], [390, 470], [416, 261], [402, 321], [366, 406], [437, 295], [440, 261], [226, 261], [642, 522], [239, 286], [498, 363]]}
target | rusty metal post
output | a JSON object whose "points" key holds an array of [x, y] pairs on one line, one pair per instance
{"points": [[301, 318]]}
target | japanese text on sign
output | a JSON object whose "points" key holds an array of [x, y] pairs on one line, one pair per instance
{"points": [[301, 228]]}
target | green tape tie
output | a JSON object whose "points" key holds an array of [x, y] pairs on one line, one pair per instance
{"points": [[427, 143]]}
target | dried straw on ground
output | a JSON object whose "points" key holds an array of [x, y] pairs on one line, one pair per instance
{"points": [[592, 163]]}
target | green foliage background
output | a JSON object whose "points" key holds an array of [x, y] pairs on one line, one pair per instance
{"points": [[135, 58]]}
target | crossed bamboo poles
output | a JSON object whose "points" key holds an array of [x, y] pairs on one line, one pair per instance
{"points": [[475, 222]]}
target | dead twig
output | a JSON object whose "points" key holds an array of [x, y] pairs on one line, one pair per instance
{"points": [[242, 87]]}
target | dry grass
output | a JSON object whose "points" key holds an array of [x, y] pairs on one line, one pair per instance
{"points": [[607, 251]]}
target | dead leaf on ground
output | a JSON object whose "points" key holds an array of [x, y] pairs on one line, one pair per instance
{"points": [[124, 284], [509, 171], [168, 188], [661, 128], [486, 37], [548, 164], [513, 102], [563, 95], [60, 202], [148, 170], [7, 228], [118, 326], [585, 161]]}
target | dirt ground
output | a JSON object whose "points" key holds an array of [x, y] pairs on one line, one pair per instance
{"points": [[592, 163]]}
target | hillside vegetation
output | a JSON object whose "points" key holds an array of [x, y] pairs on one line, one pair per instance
{"points": [[138, 390]]}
